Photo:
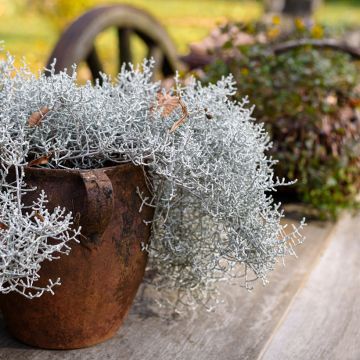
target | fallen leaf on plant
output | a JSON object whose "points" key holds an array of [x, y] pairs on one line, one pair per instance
{"points": [[39, 216], [43, 160], [3, 226], [354, 102], [168, 102], [37, 116], [183, 117]]}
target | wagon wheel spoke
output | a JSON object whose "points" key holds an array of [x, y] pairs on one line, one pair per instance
{"points": [[77, 42], [124, 46], [94, 63], [157, 54]]}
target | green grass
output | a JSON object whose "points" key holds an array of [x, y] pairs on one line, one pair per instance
{"points": [[340, 14], [188, 20], [28, 36], [33, 35]]}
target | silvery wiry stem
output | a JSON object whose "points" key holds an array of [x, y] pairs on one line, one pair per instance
{"points": [[203, 157]]}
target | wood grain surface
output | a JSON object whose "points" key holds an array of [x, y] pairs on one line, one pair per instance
{"points": [[238, 330], [324, 320]]}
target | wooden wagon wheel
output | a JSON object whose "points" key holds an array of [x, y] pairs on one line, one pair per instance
{"points": [[332, 44], [77, 43]]}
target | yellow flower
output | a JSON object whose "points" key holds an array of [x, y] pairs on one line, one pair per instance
{"points": [[299, 24], [317, 32], [244, 71], [273, 33], [276, 20]]}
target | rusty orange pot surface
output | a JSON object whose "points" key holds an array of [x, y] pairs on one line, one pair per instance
{"points": [[101, 275]]}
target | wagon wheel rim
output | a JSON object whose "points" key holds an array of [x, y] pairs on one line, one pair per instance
{"points": [[330, 44], [77, 43]]}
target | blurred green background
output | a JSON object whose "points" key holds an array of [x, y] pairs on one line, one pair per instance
{"points": [[30, 28]]}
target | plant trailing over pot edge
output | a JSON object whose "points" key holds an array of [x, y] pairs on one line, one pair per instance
{"points": [[202, 155]]}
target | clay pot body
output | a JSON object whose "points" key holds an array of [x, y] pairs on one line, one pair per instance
{"points": [[102, 273]]}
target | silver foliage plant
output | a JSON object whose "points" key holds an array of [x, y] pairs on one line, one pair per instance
{"points": [[209, 178]]}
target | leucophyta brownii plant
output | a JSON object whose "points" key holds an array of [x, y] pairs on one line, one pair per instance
{"points": [[209, 178]]}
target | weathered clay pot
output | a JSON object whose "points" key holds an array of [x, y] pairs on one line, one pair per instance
{"points": [[101, 275]]}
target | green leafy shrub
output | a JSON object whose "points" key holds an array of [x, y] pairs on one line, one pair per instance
{"points": [[308, 98]]}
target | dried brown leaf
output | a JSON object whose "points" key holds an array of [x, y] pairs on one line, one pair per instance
{"points": [[39, 216], [43, 160], [168, 102], [355, 102], [3, 226], [183, 117], [37, 116]]}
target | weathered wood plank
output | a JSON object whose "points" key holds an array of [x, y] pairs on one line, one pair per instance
{"points": [[323, 321], [238, 330]]}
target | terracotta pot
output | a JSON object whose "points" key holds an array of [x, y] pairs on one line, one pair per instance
{"points": [[101, 275]]}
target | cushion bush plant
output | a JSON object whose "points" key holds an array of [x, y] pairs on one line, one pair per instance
{"points": [[203, 154], [308, 99]]}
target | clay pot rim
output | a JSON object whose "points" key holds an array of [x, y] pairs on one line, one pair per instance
{"points": [[68, 171]]}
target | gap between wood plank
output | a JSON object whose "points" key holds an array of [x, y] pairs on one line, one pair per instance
{"points": [[326, 243]]}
